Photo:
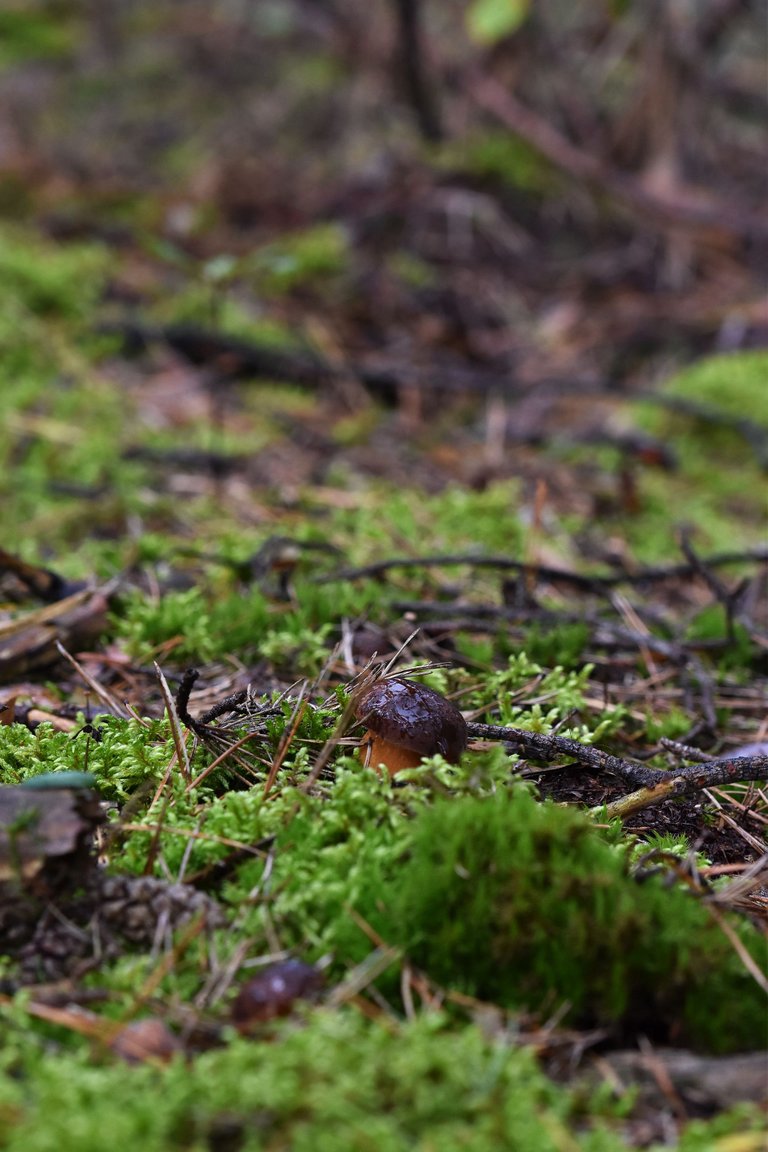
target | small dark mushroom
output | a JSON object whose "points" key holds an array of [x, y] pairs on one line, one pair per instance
{"points": [[406, 721], [273, 992]]}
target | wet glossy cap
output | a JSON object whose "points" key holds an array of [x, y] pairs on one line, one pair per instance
{"points": [[413, 716]]}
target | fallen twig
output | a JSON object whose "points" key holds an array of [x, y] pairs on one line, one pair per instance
{"points": [[420, 94], [174, 722], [583, 580], [654, 784], [183, 693]]}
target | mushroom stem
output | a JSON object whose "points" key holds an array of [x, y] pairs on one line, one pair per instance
{"points": [[378, 752]]}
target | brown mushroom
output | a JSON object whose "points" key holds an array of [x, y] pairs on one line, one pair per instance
{"points": [[406, 721], [273, 992]]}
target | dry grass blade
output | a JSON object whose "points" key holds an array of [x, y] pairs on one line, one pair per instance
{"points": [[363, 975], [331, 743], [221, 759], [175, 725], [115, 706], [286, 739], [747, 960]]}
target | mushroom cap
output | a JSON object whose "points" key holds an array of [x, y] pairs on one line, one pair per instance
{"points": [[413, 716]]}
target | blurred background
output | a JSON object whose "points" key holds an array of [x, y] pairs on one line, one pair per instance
{"points": [[462, 230]]}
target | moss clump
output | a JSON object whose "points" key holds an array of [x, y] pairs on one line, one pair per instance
{"points": [[733, 382], [502, 159], [32, 35], [335, 848], [524, 904], [205, 626], [338, 1083], [50, 280], [126, 754], [715, 436], [315, 255]]}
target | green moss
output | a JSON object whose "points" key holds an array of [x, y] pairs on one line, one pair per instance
{"points": [[489, 21], [740, 1129], [736, 383], [500, 157], [711, 625], [126, 754], [316, 254], [433, 523], [525, 695], [672, 724], [47, 279], [205, 300], [523, 904], [30, 33], [327, 855], [179, 620], [657, 847], [719, 485], [197, 626], [561, 644], [338, 1082], [63, 426]]}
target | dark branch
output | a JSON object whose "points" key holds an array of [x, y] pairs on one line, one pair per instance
{"points": [[182, 700], [691, 778], [420, 95], [542, 571]]}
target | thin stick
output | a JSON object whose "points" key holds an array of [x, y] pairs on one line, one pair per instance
{"points": [[420, 94], [544, 571], [657, 783]]}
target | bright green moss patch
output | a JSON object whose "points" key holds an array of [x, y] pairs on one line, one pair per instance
{"points": [[490, 892], [27, 32], [333, 850], [62, 430], [126, 754], [335, 1082], [315, 255], [719, 486], [736, 383], [50, 280], [489, 21], [433, 523], [523, 904], [502, 897], [500, 157], [197, 627]]}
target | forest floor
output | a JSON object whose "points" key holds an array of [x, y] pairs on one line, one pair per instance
{"points": [[315, 370]]}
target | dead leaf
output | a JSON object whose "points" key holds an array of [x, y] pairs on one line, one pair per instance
{"points": [[28, 643]]}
